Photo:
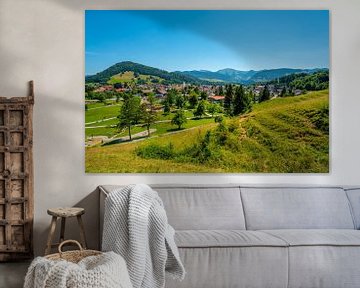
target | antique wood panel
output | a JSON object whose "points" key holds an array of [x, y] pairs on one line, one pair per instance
{"points": [[16, 177]]}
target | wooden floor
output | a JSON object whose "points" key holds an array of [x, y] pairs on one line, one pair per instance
{"points": [[12, 274]]}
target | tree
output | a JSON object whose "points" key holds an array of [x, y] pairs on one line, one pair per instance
{"points": [[265, 94], [203, 95], [283, 92], [149, 114], [213, 108], [166, 108], [179, 118], [193, 99], [171, 96], [101, 97], [248, 101], [180, 101], [129, 113], [220, 91], [118, 96], [196, 90], [238, 100], [228, 99], [242, 101], [200, 109], [252, 96]]}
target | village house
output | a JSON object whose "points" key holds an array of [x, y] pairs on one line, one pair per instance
{"points": [[216, 99], [104, 88]]}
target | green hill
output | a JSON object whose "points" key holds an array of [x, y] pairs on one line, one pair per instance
{"points": [[129, 77], [312, 82], [139, 69], [284, 135]]}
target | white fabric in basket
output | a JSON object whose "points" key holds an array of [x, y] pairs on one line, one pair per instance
{"points": [[107, 270]]}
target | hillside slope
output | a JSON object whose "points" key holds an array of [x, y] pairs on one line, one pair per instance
{"points": [[284, 135]]}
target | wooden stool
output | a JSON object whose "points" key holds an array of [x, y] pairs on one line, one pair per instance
{"points": [[64, 213]]}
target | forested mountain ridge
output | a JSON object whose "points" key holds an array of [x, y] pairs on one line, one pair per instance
{"points": [[196, 76], [246, 77], [126, 66]]}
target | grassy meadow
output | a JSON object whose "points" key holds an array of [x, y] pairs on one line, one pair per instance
{"points": [[282, 135]]}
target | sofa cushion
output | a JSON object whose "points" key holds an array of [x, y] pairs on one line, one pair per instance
{"points": [[324, 266], [322, 258], [226, 238], [225, 267], [296, 208], [204, 208], [317, 237]]}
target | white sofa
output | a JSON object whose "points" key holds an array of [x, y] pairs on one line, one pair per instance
{"points": [[263, 237]]}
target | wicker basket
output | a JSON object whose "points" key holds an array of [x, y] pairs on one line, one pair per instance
{"points": [[72, 256]]}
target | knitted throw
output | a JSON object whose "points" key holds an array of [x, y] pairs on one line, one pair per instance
{"points": [[136, 227], [102, 271]]}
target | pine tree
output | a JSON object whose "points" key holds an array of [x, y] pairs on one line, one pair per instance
{"points": [[238, 100], [283, 92], [203, 95], [220, 91], [265, 94], [229, 91], [242, 101]]}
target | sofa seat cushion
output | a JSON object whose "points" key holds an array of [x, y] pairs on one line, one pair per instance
{"points": [[225, 238], [317, 237]]}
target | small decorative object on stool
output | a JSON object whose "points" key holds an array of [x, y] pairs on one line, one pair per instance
{"points": [[80, 269], [64, 213]]}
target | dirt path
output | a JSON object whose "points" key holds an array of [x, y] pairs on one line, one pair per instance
{"points": [[99, 121], [106, 119], [105, 106], [106, 140]]}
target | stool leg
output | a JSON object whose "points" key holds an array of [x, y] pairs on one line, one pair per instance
{"points": [[51, 235], [62, 230], [82, 232]]}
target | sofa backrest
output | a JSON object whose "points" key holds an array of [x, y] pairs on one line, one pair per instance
{"points": [[199, 207], [203, 207], [234, 207], [354, 198], [296, 208]]}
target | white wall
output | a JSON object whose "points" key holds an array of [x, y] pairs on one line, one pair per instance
{"points": [[43, 40]]}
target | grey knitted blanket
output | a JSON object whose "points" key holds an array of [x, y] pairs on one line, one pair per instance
{"points": [[136, 227]]}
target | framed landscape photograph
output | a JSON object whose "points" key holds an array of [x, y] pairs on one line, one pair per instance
{"points": [[240, 91]]}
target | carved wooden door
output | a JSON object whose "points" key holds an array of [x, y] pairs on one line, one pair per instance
{"points": [[16, 177]]}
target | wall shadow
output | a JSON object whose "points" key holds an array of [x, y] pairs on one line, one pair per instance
{"points": [[91, 223]]}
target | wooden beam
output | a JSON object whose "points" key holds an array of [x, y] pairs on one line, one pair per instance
{"points": [[31, 92]]}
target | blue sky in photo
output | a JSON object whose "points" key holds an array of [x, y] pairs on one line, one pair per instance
{"points": [[207, 40]]}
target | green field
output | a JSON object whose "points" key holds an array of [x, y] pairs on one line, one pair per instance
{"points": [[129, 76], [102, 112], [283, 135], [97, 117]]}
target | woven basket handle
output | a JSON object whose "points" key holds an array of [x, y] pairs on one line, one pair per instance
{"points": [[69, 241]]}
